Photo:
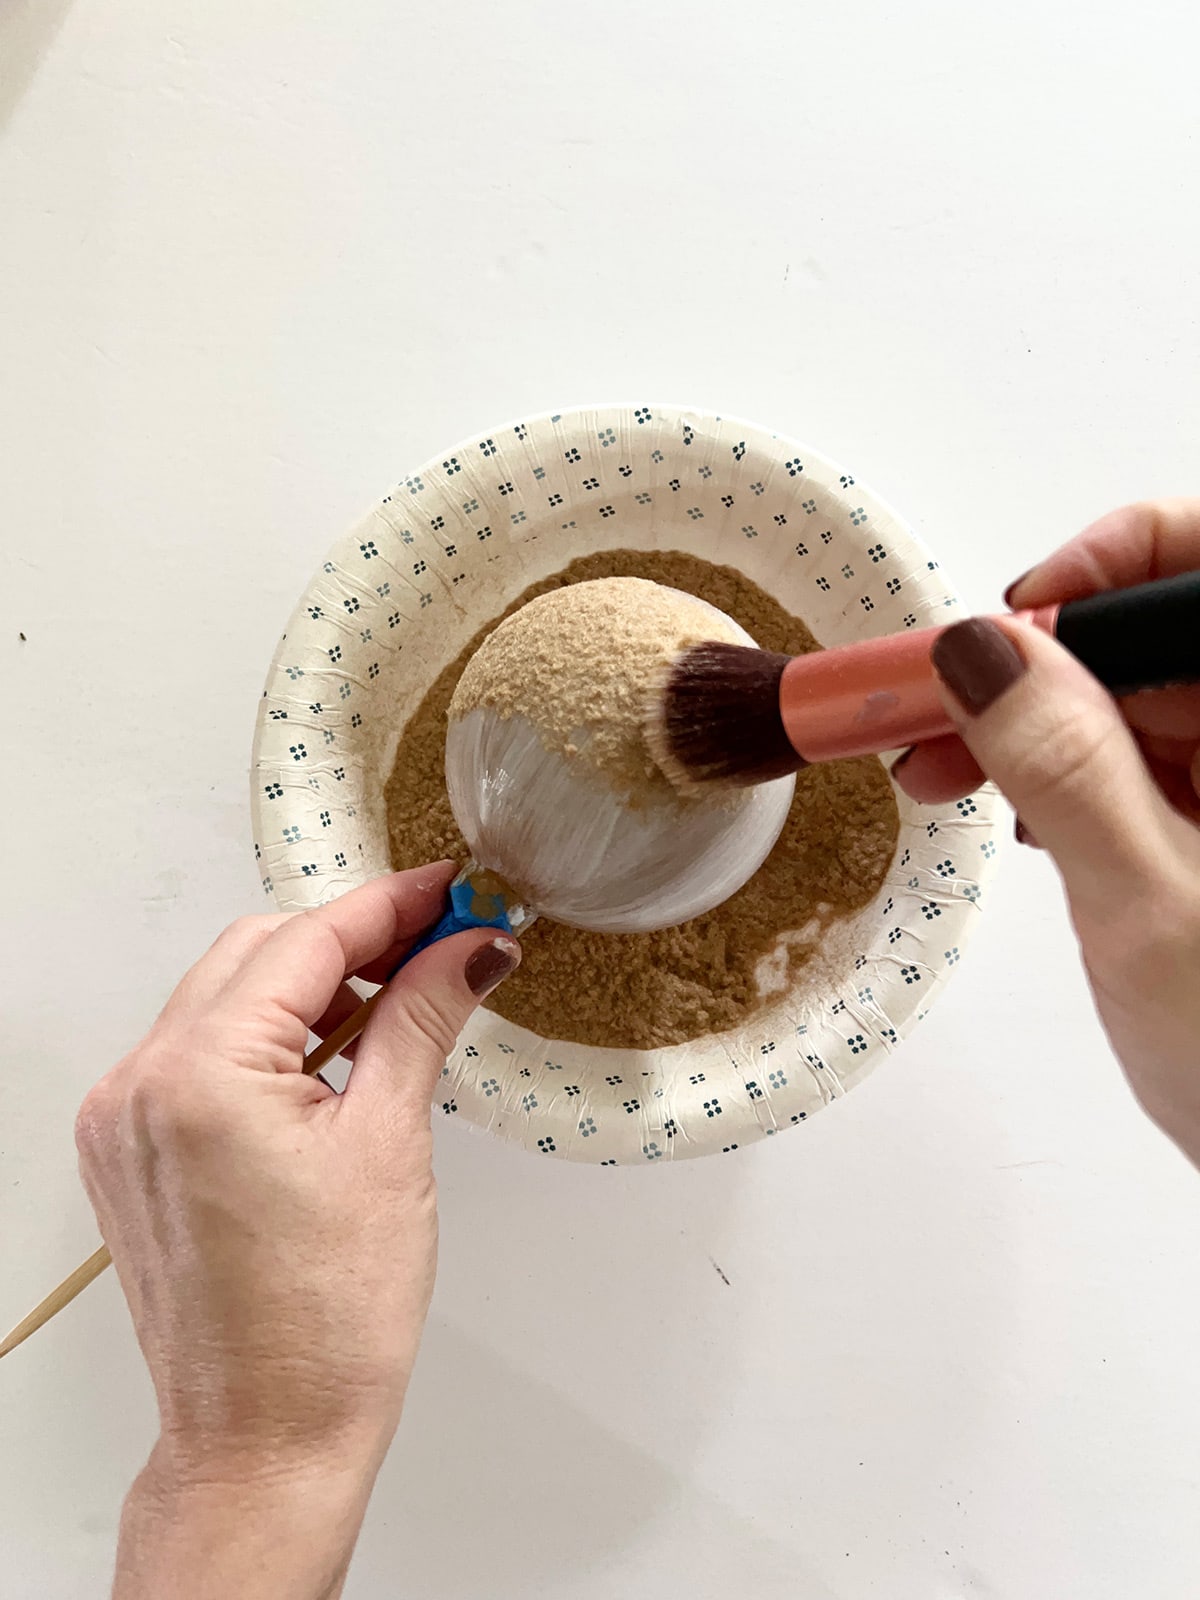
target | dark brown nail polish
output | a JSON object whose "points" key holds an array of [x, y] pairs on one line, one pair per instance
{"points": [[977, 661], [1023, 836], [1013, 587], [901, 760], [490, 965]]}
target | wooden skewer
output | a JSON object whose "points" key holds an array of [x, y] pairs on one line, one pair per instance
{"points": [[58, 1298], [95, 1264]]}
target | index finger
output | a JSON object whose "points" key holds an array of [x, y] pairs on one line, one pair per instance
{"points": [[1154, 539], [298, 969]]}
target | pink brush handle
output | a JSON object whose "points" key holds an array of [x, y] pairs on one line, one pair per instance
{"points": [[863, 699]]}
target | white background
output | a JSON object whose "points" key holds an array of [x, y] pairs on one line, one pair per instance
{"points": [[256, 260]]}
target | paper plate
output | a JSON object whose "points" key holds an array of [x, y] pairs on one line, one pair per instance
{"points": [[441, 556]]}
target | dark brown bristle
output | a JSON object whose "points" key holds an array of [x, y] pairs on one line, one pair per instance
{"points": [[718, 719]]}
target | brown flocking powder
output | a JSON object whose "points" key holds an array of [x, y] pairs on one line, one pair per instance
{"points": [[642, 991], [552, 664]]}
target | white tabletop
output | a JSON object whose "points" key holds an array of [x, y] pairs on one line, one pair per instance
{"points": [[256, 261]]}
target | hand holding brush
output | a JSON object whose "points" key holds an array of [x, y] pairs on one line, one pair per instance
{"points": [[738, 716], [1110, 789]]}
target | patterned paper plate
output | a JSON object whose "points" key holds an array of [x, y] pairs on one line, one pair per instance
{"points": [[440, 557]]}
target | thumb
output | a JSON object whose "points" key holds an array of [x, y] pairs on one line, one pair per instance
{"points": [[422, 1012], [1055, 742]]}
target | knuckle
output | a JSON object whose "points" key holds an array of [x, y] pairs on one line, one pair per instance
{"points": [[317, 935], [164, 1103], [1065, 758], [316, 920], [164, 1111], [265, 1035], [96, 1117], [433, 1018], [248, 932], [148, 1101]]}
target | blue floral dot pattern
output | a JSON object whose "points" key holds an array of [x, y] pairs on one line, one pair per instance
{"points": [[437, 559]]}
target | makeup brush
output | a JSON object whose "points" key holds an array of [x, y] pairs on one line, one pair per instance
{"points": [[724, 714]]}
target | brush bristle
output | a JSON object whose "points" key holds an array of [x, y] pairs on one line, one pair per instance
{"points": [[717, 718]]}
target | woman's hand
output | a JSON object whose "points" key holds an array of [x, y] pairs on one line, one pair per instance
{"points": [[277, 1242], [1111, 791]]}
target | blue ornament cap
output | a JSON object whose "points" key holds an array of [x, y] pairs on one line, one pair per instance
{"points": [[478, 898]]}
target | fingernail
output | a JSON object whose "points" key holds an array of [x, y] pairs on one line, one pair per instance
{"points": [[1014, 586], [901, 760], [490, 965], [1023, 836], [977, 661]]}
